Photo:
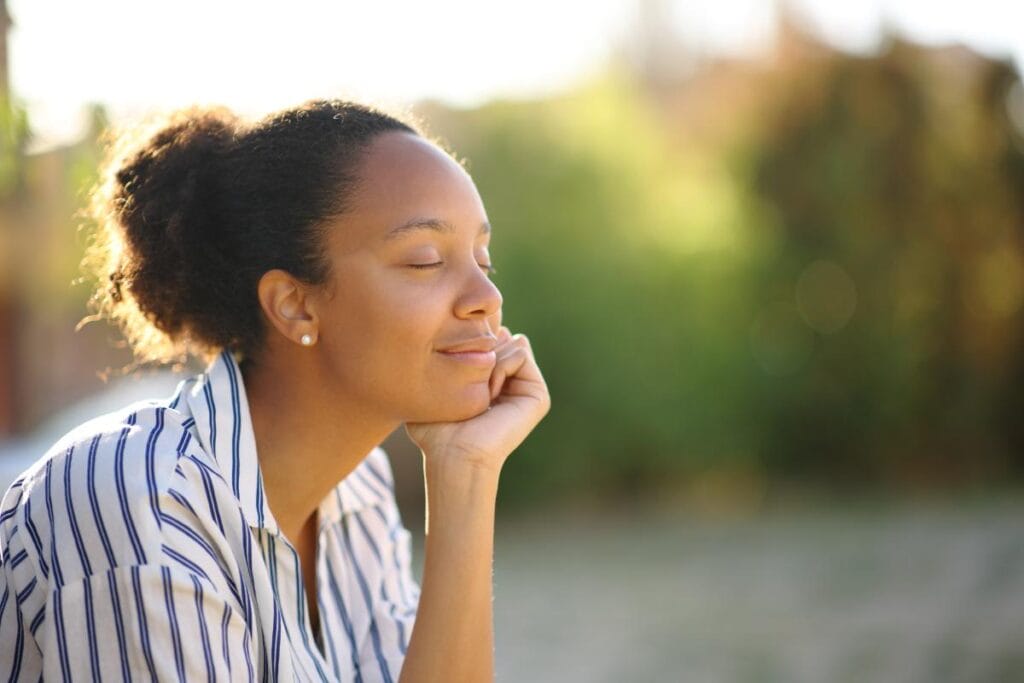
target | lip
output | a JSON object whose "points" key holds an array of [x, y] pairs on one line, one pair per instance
{"points": [[484, 359], [476, 344]]}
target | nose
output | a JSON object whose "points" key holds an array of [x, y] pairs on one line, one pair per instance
{"points": [[481, 298]]}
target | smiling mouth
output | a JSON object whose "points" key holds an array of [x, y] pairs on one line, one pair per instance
{"points": [[484, 359]]}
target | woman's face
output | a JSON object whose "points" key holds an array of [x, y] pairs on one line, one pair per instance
{"points": [[384, 321]]}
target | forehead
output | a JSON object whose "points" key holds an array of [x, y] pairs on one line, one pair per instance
{"points": [[403, 177]]}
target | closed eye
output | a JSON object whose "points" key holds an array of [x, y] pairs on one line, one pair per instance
{"points": [[486, 267]]}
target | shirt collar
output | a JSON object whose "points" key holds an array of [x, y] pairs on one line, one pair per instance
{"points": [[217, 401]]}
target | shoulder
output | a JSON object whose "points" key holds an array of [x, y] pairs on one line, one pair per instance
{"points": [[91, 500], [138, 444]]}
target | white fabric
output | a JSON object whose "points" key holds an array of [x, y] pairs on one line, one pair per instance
{"points": [[141, 546]]}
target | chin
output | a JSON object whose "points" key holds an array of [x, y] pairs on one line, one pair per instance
{"points": [[458, 406]]}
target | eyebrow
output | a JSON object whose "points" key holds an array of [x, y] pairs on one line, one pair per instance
{"points": [[435, 224]]}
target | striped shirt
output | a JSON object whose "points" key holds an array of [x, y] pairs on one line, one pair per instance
{"points": [[141, 547]]}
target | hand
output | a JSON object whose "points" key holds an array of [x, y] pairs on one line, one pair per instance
{"points": [[519, 400]]}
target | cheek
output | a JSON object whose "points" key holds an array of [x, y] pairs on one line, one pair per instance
{"points": [[397, 331], [385, 347]]}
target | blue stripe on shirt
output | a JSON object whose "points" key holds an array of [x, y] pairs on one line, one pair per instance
{"points": [[131, 546]]}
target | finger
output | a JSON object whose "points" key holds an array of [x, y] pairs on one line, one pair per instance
{"points": [[521, 378], [514, 342], [503, 349], [502, 339], [503, 369], [506, 363], [506, 366]]}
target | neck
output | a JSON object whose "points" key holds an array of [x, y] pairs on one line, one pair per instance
{"points": [[308, 438]]}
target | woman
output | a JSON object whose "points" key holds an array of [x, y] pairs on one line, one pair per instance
{"points": [[332, 265]]}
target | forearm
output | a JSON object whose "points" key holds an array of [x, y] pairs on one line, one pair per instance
{"points": [[453, 639]]}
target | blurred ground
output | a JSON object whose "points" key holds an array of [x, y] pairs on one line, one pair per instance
{"points": [[923, 592], [868, 591]]}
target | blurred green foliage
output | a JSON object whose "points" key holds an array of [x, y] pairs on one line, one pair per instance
{"points": [[14, 136], [827, 289], [906, 169]]}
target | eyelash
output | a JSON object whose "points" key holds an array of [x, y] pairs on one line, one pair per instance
{"points": [[489, 269]]}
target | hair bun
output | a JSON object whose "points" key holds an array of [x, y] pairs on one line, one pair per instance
{"points": [[163, 188], [160, 185]]}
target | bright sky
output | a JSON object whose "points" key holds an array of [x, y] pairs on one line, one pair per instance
{"points": [[137, 55]]}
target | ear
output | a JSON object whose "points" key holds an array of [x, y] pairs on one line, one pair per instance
{"points": [[286, 304]]}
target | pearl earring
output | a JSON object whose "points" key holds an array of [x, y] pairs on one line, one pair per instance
{"points": [[307, 340]]}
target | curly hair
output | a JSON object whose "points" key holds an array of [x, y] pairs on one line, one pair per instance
{"points": [[190, 211]]}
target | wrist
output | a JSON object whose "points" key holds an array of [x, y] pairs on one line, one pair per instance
{"points": [[457, 490], [461, 465]]}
